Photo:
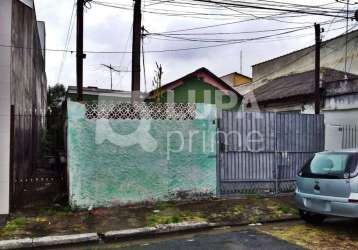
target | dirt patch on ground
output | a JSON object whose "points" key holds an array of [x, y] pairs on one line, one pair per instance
{"points": [[62, 220], [333, 234]]}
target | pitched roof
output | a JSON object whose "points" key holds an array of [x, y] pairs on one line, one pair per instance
{"points": [[312, 46], [209, 78], [236, 73], [299, 84]]}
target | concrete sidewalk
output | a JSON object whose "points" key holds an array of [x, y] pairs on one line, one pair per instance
{"points": [[48, 225], [66, 240]]}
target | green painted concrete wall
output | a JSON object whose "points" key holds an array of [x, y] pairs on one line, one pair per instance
{"points": [[181, 94], [104, 174]]}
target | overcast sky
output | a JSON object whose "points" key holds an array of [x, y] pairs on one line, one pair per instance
{"points": [[109, 29]]}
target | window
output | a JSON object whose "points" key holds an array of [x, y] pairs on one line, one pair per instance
{"points": [[330, 166]]}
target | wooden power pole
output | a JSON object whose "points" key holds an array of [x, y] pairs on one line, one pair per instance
{"points": [[79, 48], [317, 94], [136, 46]]}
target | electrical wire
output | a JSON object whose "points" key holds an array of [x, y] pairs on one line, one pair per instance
{"points": [[266, 40], [230, 33], [193, 14], [192, 4], [235, 40], [252, 6], [149, 51], [143, 61], [68, 39]]}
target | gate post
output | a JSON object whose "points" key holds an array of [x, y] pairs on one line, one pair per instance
{"points": [[276, 174], [12, 175], [275, 156], [218, 154]]}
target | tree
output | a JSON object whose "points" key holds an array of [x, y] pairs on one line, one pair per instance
{"points": [[55, 96], [53, 135], [157, 82]]}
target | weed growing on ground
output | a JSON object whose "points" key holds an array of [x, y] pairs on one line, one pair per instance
{"points": [[157, 219], [13, 225]]}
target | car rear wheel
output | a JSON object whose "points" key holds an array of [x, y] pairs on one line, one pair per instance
{"points": [[311, 218]]}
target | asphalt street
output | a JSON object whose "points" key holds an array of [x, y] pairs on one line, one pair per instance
{"points": [[246, 239], [221, 239]]}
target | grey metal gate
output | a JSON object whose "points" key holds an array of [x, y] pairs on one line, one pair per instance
{"points": [[262, 152], [350, 136]]}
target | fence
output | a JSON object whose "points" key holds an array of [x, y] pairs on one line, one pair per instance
{"points": [[350, 136], [262, 152], [37, 159]]}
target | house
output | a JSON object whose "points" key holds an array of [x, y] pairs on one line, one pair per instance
{"points": [[286, 84], [296, 93], [23, 93], [303, 60], [239, 82], [95, 94], [200, 86]]}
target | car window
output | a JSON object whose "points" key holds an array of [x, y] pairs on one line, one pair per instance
{"points": [[327, 165], [353, 166]]}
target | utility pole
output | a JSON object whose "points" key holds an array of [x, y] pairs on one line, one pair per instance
{"points": [[79, 48], [346, 52], [111, 69], [136, 46], [317, 28]]}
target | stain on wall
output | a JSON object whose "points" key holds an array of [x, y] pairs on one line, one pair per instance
{"points": [[103, 173], [28, 88]]}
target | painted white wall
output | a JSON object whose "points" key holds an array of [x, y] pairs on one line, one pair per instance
{"points": [[343, 102], [5, 57], [333, 137], [341, 117]]}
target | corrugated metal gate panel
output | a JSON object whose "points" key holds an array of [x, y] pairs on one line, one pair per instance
{"points": [[350, 136], [262, 152]]}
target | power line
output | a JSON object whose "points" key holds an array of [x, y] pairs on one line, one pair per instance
{"points": [[68, 39], [235, 40], [192, 36], [199, 15], [125, 48], [229, 33], [268, 39], [143, 61], [250, 6], [217, 25], [149, 51], [257, 3]]}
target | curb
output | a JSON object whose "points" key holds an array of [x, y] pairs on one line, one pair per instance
{"points": [[49, 241], [16, 244], [160, 229], [121, 234]]}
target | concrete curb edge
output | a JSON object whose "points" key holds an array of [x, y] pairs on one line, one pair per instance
{"points": [[121, 234]]}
